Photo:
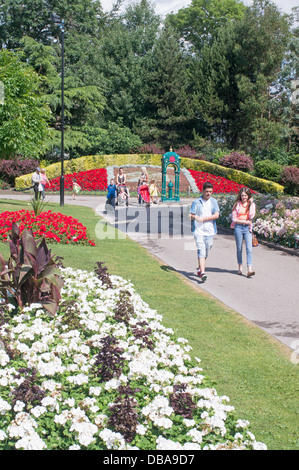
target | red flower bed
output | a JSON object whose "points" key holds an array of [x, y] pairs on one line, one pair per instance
{"points": [[220, 184], [55, 227], [90, 180]]}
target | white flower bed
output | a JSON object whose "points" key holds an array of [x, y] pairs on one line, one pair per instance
{"points": [[52, 395]]}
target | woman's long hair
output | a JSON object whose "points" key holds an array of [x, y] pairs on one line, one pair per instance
{"points": [[239, 198]]}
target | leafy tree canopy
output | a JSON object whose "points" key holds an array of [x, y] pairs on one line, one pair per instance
{"points": [[24, 115], [198, 23]]}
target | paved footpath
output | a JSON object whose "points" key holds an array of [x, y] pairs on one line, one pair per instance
{"points": [[270, 299]]}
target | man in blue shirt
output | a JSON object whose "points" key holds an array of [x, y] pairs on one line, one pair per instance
{"points": [[204, 212]]}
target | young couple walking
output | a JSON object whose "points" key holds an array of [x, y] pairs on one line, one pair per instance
{"points": [[205, 211]]}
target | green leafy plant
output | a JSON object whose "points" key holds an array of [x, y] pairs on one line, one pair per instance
{"points": [[269, 170], [31, 274], [38, 205]]}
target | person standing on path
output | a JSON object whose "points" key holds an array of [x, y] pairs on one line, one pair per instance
{"points": [[35, 182], [43, 181], [76, 188], [143, 179], [121, 183], [242, 216], [204, 212]]}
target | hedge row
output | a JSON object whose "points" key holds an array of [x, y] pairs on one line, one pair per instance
{"points": [[101, 161]]}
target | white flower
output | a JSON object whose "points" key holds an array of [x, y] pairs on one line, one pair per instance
{"points": [[19, 406], [79, 379], [86, 431], [191, 446], [141, 429], [22, 425], [196, 435], [95, 391], [4, 406], [113, 440], [242, 423], [101, 420], [31, 442], [3, 436], [259, 446], [51, 403], [4, 358], [167, 444], [70, 402], [189, 422], [38, 411]]}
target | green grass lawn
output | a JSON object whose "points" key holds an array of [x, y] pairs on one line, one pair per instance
{"points": [[254, 370]]}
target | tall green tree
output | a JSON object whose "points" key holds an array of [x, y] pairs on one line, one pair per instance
{"points": [[34, 18], [24, 115], [82, 103], [124, 56], [199, 22], [167, 119], [33, 27], [235, 79]]}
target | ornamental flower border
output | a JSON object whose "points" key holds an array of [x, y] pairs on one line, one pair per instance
{"points": [[104, 373], [89, 180], [221, 185], [53, 226]]}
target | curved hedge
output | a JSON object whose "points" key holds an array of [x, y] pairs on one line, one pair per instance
{"points": [[258, 184], [101, 161]]}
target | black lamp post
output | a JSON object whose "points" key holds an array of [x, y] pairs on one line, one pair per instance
{"points": [[56, 19], [62, 115]]}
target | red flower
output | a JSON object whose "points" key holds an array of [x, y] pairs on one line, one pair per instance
{"points": [[53, 226], [220, 184], [90, 180]]}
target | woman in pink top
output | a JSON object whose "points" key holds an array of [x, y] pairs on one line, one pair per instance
{"points": [[43, 181], [242, 216]]}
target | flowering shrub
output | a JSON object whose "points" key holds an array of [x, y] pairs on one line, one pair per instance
{"points": [[95, 386], [276, 221], [279, 223], [55, 227], [220, 184], [14, 167], [290, 178], [90, 180], [237, 161]]}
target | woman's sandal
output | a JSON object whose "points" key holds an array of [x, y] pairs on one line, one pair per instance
{"points": [[250, 273], [240, 272]]}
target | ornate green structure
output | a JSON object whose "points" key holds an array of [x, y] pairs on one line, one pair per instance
{"points": [[171, 158]]}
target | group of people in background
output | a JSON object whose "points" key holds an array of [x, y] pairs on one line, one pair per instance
{"points": [[118, 191], [205, 211]]}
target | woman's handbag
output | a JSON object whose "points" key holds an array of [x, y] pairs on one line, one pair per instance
{"points": [[254, 240]]}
